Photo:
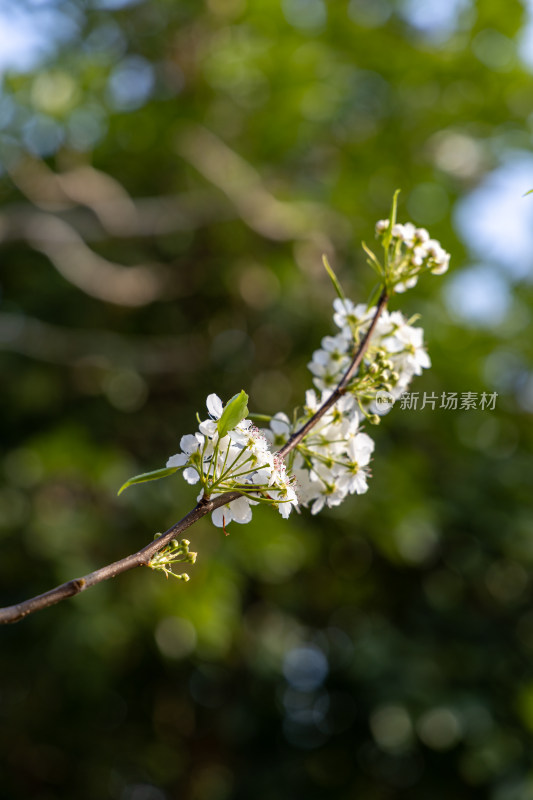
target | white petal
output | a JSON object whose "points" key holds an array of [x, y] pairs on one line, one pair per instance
{"points": [[342, 306], [363, 443], [285, 509], [221, 516], [191, 475], [280, 423], [208, 427], [318, 505], [189, 443], [311, 399], [240, 510], [423, 359], [214, 405], [393, 344], [360, 485], [414, 335], [178, 460], [239, 437]]}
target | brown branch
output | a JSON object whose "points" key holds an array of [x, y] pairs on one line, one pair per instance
{"points": [[143, 557]]}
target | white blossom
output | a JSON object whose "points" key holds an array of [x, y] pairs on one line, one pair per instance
{"points": [[239, 461], [413, 251], [406, 346]]}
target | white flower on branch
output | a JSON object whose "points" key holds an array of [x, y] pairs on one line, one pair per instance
{"points": [[409, 251], [240, 460], [406, 347]]}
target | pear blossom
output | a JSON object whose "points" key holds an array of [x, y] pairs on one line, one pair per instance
{"points": [[411, 250], [241, 460], [190, 444], [353, 479], [407, 349], [280, 430]]}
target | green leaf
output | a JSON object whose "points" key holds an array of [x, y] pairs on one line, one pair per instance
{"points": [[372, 260], [526, 194], [335, 281], [149, 476], [394, 208], [374, 295], [235, 410], [388, 236]]}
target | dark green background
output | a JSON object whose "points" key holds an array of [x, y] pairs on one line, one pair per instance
{"points": [[240, 140]]}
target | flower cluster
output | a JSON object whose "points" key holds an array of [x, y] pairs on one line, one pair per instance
{"points": [[394, 356], [333, 459], [329, 455], [410, 251], [238, 460]]}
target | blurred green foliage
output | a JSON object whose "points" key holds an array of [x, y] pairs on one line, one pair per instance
{"points": [[171, 174]]}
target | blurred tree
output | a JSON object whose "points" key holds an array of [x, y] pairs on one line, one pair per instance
{"points": [[171, 174]]}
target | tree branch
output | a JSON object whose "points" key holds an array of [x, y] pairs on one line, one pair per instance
{"points": [[143, 557]]}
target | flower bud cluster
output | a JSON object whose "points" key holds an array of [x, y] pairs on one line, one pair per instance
{"points": [[174, 553], [394, 356], [410, 252], [240, 461]]}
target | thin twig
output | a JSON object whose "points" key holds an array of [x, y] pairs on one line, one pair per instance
{"points": [[143, 557], [298, 435]]}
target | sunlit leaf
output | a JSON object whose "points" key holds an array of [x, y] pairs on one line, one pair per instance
{"points": [[234, 411], [149, 476]]}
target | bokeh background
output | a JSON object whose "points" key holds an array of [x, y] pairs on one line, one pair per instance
{"points": [[170, 173]]}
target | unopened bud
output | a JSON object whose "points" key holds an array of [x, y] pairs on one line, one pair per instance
{"points": [[374, 419]]}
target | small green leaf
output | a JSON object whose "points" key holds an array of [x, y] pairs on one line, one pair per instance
{"points": [[149, 476], [374, 295], [372, 260], [235, 410], [526, 194], [335, 281], [394, 208], [388, 235]]}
